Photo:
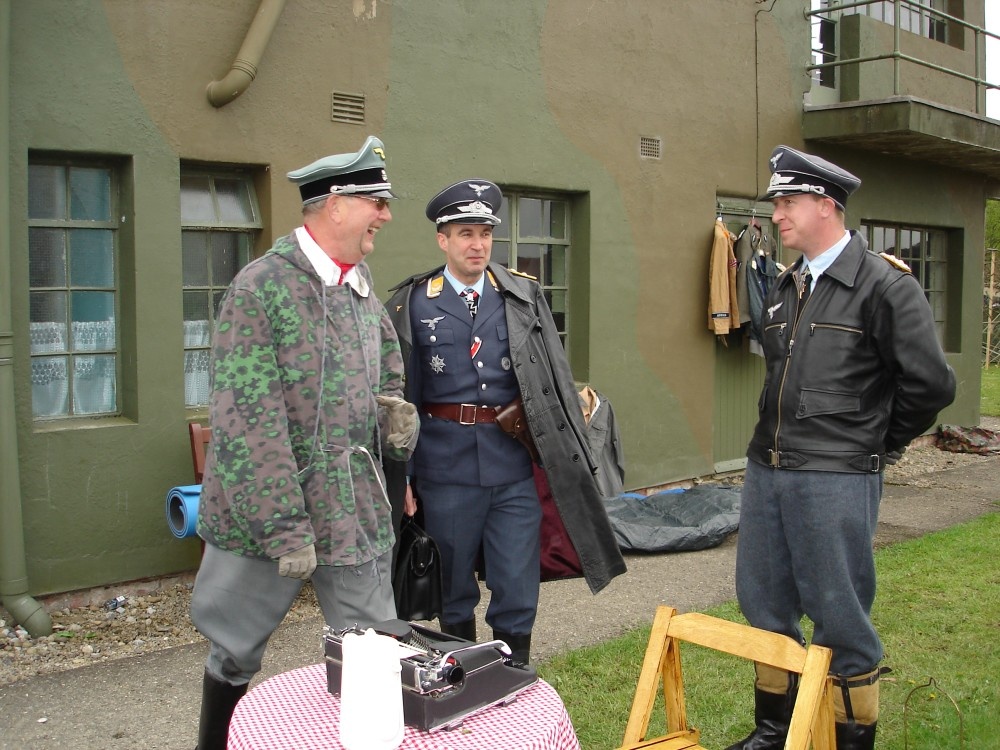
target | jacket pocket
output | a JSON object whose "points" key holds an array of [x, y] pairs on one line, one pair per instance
{"points": [[437, 337], [813, 403]]}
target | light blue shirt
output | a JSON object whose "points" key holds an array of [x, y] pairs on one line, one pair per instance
{"points": [[824, 260], [459, 287]]}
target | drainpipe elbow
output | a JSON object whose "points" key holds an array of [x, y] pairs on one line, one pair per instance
{"points": [[29, 614], [240, 76]]}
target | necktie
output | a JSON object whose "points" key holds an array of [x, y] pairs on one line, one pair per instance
{"points": [[805, 288], [471, 297]]}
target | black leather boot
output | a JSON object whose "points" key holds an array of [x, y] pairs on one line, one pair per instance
{"points": [[854, 736], [464, 630], [520, 647], [218, 700], [772, 714]]}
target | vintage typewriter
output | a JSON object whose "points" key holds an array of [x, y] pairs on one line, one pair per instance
{"points": [[444, 678]]}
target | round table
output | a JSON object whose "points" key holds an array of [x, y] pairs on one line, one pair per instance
{"points": [[295, 711]]}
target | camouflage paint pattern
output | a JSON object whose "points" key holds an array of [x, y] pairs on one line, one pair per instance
{"points": [[278, 478]]}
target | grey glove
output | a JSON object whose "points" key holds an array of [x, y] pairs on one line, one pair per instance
{"points": [[891, 457], [403, 421], [298, 564]]}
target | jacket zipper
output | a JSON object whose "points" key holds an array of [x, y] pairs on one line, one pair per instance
{"points": [[848, 329], [784, 373]]}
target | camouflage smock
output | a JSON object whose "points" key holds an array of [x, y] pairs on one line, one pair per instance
{"points": [[276, 479]]}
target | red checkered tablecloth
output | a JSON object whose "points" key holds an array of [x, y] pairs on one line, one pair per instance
{"points": [[294, 711]]}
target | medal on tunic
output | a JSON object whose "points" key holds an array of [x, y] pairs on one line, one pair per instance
{"points": [[437, 364], [505, 363]]}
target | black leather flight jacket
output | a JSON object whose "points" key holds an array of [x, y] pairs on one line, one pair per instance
{"points": [[860, 373]]}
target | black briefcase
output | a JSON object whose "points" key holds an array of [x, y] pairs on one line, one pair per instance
{"points": [[416, 579]]}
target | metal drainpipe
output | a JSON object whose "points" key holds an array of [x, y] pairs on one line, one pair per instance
{"points": [[244, 69], [13, 568]]}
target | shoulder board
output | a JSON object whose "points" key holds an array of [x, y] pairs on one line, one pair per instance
{"points": [[434, 287], [521, 273], [892, 260]]}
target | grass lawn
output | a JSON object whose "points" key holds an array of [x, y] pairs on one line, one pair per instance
{"points": [[937, 611], [989, 403]]}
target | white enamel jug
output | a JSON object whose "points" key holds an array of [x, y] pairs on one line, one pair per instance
{"points": [[371, 696]]}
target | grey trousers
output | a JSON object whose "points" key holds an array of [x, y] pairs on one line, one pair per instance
{"points": [[238, 603], [805, 547]]}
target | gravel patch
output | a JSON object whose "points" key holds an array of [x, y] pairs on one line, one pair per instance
{"points": [[148, 622]]}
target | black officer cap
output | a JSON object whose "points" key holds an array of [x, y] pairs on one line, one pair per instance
{"points": [[466, 202], [794, 172]]}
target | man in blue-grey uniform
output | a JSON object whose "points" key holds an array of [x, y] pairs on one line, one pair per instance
{"points": [[479, 341], [854, 372]]}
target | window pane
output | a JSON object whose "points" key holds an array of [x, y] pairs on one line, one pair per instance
{"points": [[234, 202], [501, 252], [557, 302], [529, 217], [92, 306], [529, 260], [557, 219], [92, 257], [196, 200], [197, 363], [90, 194], [225, 257], [194, 258], [198, 305], [502, 231], [555, 265], [46, 257], [94, 384], [48, 307], [49, 387], [217, 296], [46, 192]]}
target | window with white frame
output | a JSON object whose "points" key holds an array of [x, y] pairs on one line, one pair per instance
{"points": [[219, 221], [925, 251], [73, 296], [534, 238], [915, 17]]}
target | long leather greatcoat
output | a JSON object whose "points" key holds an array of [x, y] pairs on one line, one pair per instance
{"points": [[860, 374], [552, 408]]}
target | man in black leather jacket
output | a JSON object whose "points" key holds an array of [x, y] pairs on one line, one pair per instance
{"points": [[854, 373]]}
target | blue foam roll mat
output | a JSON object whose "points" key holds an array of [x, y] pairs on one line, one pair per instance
{"points": [[182, 510]]}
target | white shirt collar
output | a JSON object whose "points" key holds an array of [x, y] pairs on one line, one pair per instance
{"points": [[325, 268]]}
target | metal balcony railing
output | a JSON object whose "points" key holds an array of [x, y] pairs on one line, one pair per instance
{"points": [[833, 10]]}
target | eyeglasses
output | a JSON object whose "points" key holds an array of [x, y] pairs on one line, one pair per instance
{"points": [[380, 203]]}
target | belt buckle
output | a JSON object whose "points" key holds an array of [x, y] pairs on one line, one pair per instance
{"points": [[875, 463], [774, 458], [461, 413]]}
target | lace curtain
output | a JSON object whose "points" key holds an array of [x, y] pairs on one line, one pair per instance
{"points": [[94, 377], [196, 362]]}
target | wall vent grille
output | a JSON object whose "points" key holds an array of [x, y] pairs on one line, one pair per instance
{"points": [[650, 148], [349, 108]]}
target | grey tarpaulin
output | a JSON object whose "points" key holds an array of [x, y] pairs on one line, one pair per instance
{"points": [[675, 520]]}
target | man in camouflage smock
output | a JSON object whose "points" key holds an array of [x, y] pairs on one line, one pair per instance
{"points": [[306, 399]]}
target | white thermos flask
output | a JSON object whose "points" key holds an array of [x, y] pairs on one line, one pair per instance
{"points": [[371, 696]]}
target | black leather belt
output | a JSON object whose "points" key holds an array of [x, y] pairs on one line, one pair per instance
{"points": [[462, 413], [865, 463]]}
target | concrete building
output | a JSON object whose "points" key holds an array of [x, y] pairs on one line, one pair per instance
{"points": [[146, 149]]}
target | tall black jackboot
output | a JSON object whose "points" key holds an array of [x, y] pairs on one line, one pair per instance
{"points": [[772, 714], [464, 630], [520, 647], [854, 736], [855, 709], [218, 700]]}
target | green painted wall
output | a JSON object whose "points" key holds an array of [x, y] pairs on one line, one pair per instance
{"points": [[553, 95]]}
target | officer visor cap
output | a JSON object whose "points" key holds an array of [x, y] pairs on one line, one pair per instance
{"points": [[794, 173], [466, 202], [359, 173]]}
